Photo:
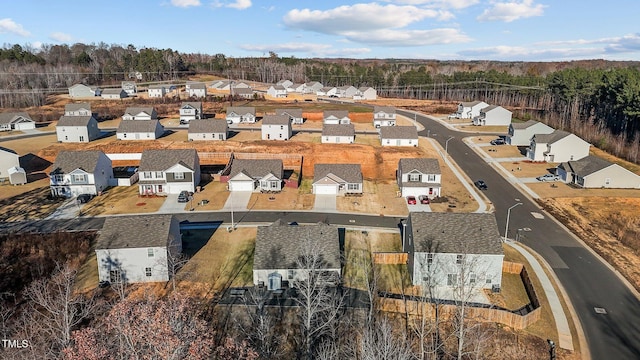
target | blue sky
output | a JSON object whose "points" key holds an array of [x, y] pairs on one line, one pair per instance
{"points": [[520, 30]]}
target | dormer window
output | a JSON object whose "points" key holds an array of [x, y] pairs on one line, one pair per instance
{"points": [[415, 177]]}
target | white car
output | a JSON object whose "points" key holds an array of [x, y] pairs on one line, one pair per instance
{"points": [[548, 177]]}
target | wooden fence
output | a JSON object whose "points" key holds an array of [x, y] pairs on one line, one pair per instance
{"points": [[390, 258]]}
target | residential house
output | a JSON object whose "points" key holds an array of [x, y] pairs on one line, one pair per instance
{"points": [[256, 174], [139, 130], [493, 115], [337, 179], [399, 136], [114, 94], [338, 134], [277, 91], [140, 113], [241, 114], [469, 110], [347, 91], [10, 167], [285, 83], [78, 109], [384, 116], [276, 127], [594, 172], [336, 117], [208, 129], [419, 176], [312, 87], [296, 88], [168, 171], [16, 121], [130, 87], [330, 91], [520, 134], [77, 129], [558, 146], [157, 91], [81, 91], [221, 85], [136, 249], [282, 250], [80, 172], [453, 251], [240, 85], [295, 115], [245, 93], [197, 90], [366, 93], [190, 111]]}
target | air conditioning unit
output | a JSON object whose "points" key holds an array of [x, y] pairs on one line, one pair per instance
{"points": [[495, 288]]}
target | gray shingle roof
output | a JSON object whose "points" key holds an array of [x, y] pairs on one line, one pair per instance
{"points": [[140, 231], [523, 125], [67, 161], [470, 103], [193, 104], [297, 112], [423, 165], [456, 233], [133, 110], [386, 109], [137, 126], [337, 113], [279, 245], [398, 132], [77, 106], [162, 159], [338, 130], [551, 138], [208, 126], [276, 120], [278, 87], [243, 91], [350, 173], [241, 110], [586, 166], [257, 168], [197, 85], [9, 117], [74, 120]]}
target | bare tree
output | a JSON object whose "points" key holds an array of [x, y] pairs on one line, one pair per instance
{"points": [[380, 342], [259, 328]]}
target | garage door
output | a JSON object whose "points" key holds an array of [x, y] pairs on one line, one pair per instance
{"points": [[177, 188], [25, 126], [326, 189], [241, 186], [410, 191]]}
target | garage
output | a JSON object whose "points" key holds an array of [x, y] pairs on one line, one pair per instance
{"points": [[414, 191], [241, 185], [25, 125], [331, 189], [176, 188]]}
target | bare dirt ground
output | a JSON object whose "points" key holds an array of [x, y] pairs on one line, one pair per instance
{"points": [[379, 197]]}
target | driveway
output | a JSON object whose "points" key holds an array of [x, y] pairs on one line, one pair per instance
{"points": [[237, 201], [419, 208], [325, 203], [68, 210], [171, 205]]}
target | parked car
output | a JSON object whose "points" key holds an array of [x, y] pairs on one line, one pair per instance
{"points": [[84, 198], [548, 177], [411, 200], [480, 184], [424, 199], [183, 196], [498, 141]]}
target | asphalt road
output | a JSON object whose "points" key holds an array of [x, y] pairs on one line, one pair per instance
{"points": [[589, 283]]}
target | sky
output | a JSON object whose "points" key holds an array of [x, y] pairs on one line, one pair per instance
{"points": [[505, 30]]}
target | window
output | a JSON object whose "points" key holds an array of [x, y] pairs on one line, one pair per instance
{"points": [[459, 259], [489, 279], [58, 178], [178, 176], [158, 174], [79, 178], [415, 177], [431, 178], [290, 274], [66, 137], [280, 135], [452, 279], [147, 271], [472, 278], [146, 174], [81, 138], [124, 135], [150, 253], [353, 186], [281, 127], [429, 258], [273, 184], [115, 276], [275, 281]]}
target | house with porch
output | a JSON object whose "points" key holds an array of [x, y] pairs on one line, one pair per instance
{"points": [[80, 172], [241, 114], [338, 134], [337, 179], [493, 115], [447, 251], [139, 130], [419, 176], [295, 115], [190, 110], [168, 171], [470, 109], [16, 121], [78, 109], [558, 146], [399, 135], [256, 175], [208, 129], [140, 113], [384, 116], [129, 87], [137, 249], [282, 250], [77, 129], [594, 172], [520, 134]]}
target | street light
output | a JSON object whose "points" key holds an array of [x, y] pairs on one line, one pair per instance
{"points": [[446, 145], [552, 349], [506, 228]]}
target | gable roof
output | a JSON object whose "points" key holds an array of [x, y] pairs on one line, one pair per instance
{"points": [[471, 103], [386, 109], [197, 85], [276, 120], [10, 117], [398, 132], [141, 231], [336, 113], [135, 110], [162, 159], [66, 120], [423, 165], [338, 130], [350, 173], [257, 168], [551, 138], [294, 112], [241, 110], [113, 91], [455, 233], [138, 126], [77, 106], [278, 87], [524, 125], [192, 104], [67, 161], [243, 91], [280, 245], [585, 166], [208, 126]]}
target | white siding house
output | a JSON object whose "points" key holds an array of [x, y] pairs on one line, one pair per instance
{"points": [[469, 110], [366, 93], [594, 172], [81, 90], [399, 136], [16, 121], [114, 94], [334, 117], [295, 115], [130, 87], [449, 250], [276, 127], [140, 113], [277, 91], [134, 249], [520, 134], [338, 134], [168, 171], [80, 172], [384, 116], [241, 114], [559, 146], [312, 87], [347, 91], [208, 129], [493, 115], [78, 109], [139, 130], [77, 129], [419, 176], [337, 179], [156, 91], [197, 90], [255, 174], [9, 159], [190, 111]]}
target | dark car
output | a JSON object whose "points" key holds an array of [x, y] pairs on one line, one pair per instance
{"points": [[480, 184], [498, 141], [411, 200], [183, 196], [84, 198], [424, 199]]}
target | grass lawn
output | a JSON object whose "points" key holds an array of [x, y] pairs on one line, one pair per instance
{"points": [[87, 276], [30, 145], [30, 205], [287, 199], [372, 140], [214, 192], [379, 197], [122, 200]]}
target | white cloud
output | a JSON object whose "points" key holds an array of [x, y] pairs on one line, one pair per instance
{"points": [[404, 38], [236, 4], [9, 26], [37, 45], [60, 37], [185, 3], [441, 4], [511, 11], [307, 49]]}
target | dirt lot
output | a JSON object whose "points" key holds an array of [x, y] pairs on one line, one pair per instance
{"points": [[379, 197]]}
